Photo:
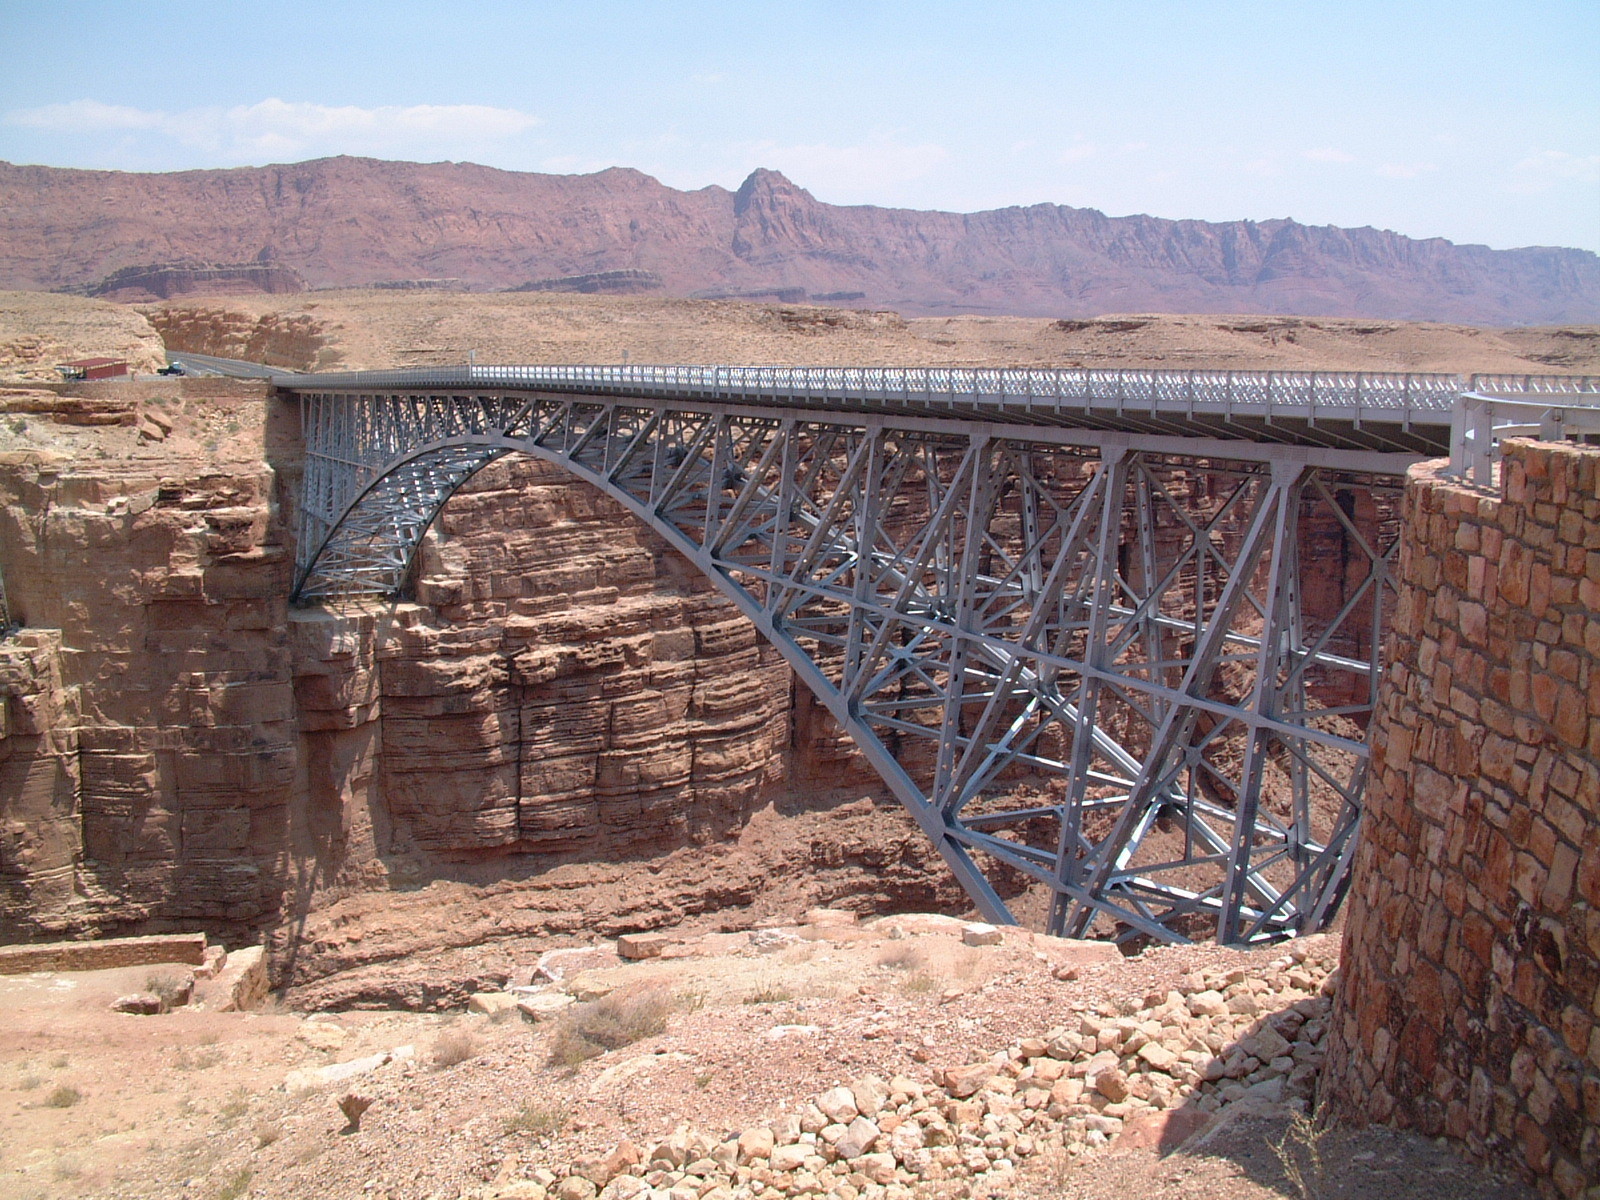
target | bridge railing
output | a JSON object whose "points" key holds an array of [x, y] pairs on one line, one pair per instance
{"points": [[1479, 409], [1482, 421], [1345, 395]]}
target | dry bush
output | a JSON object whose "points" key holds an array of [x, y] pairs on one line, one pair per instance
{"points": [[203, 1061], [904, 956], [617, 1020], [267, 1132], [237, 1185], [234, 1107], [537, 1120], [63, 1096], [1299, 1152], [770, 993], [453, 1046]]}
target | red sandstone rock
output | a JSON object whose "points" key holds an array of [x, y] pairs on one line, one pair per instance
{"points": [[349, 221]]}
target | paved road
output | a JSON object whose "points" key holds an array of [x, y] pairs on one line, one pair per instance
{"points": [[231, 368]]}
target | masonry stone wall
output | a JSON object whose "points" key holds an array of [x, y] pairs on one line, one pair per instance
{"points": [[1470, 1005], [104, 954]]}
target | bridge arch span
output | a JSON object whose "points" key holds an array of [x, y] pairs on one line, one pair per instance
{"points": [[1061, 662]]}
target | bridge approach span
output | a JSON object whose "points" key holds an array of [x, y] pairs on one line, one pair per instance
{"points": [[1112, 638]]}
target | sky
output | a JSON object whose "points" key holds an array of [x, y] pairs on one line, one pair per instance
{"points": [[1477, 122]]}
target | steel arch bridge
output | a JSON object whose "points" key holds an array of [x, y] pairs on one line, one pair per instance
{"points": [[1113, 633]]}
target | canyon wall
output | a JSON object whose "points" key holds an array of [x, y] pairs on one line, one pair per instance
{"points": [[1470, 1005], [349, 222], [179, 749]]}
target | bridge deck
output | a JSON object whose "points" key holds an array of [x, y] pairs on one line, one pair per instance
{"points": [[1395, 413]]}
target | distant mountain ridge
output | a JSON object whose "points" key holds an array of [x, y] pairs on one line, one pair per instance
{"points": [[350, 222]]}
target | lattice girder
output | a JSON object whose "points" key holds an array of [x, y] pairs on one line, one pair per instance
{"points": [[1098, 677]]}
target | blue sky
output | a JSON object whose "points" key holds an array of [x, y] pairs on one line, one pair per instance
{"points": [[1479, 122]]}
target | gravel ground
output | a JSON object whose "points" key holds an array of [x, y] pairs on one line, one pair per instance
{"points": [[223, 1105]]}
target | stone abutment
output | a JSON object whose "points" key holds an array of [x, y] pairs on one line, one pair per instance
{"points": [[1470, 1001]]}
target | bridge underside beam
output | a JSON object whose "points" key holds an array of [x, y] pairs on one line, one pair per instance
{"points": [[1121, 692]]}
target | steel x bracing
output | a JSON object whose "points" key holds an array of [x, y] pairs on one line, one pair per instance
{"points": [[1133, 685]]}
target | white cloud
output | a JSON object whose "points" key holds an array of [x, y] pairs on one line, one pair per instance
{"points": [[279, 128], [1549, 168], [1328, 154]]}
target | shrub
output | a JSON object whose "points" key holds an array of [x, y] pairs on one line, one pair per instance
{"points": [[452, 1047], [904, 956], [539, 1121], [63, 1096], [770, 993], [610, 1023], [235, 1106]]}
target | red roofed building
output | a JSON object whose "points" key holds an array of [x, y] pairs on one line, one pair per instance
{"points": [[94, 368]]}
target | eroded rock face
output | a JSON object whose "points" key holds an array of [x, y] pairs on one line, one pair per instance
{"points": [[180, 746], [150, 755]]}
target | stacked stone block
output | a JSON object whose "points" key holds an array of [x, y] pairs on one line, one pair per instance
{"points": [[1470, 1005]]}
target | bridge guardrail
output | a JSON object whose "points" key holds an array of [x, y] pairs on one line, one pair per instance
{"points": [[1477, 409], [1482, 421]]}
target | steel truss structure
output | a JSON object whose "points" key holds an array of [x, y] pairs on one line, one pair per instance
{"points": [[1079, 661]]}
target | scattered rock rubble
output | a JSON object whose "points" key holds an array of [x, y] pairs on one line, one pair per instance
{"points": [[1220, 1038]]}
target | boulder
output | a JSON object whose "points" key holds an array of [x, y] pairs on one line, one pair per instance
{"points": [[542, 1006], [789, 1158], [636, 946], [860, 1137], [962, 1082], [755, 1143], [838, 1104], [321, 1035], [870, 1094], [1112, 1084], [139, 1004], [491, 1003]]}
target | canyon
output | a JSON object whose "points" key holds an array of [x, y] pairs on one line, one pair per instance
{"points": [[561, 734], [562, 729], [346, 222]]}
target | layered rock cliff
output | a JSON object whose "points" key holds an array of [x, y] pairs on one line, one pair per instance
{"points": [[178, 748], [350, 222]]}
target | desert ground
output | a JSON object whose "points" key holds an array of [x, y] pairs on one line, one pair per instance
{"points": [[356, 330], [722, 1036]]}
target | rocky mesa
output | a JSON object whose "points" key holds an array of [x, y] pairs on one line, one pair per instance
{"points": [[344, 222]]}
